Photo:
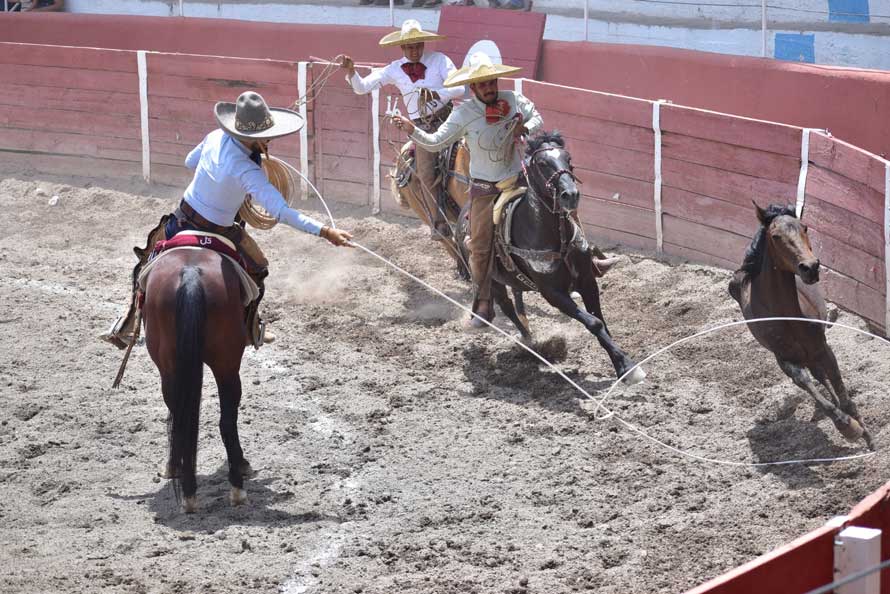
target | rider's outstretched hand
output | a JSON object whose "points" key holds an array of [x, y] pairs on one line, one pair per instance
{"points": [[403, 123], [347, 64], [338, 237]]}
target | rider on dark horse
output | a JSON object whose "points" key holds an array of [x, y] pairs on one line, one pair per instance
{"points": [[419, 75], [491, 122], [227, 168]]}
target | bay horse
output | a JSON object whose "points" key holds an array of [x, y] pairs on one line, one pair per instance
{"points": [[548, 247], [777, 279], [194, 314]]}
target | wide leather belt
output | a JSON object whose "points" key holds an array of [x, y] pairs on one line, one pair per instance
{"points": [[185, 211]]}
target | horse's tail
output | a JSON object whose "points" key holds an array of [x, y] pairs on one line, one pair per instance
{"points": [[191, 315]]}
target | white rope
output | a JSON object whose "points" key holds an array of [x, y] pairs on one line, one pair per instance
{"points": [[600, 403]]}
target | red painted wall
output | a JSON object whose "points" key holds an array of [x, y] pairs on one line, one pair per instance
{"points": [[853, 104]]}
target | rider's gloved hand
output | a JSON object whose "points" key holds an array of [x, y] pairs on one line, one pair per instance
{"points": [[338, 237]]}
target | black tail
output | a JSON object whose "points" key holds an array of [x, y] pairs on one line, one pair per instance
{"points": [[191, 316]]}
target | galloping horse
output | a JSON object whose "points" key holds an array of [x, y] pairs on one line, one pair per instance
{"points": [[547, 247], [767, 286], [194, 314]]}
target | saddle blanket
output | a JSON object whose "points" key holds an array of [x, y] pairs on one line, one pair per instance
{"points": [[199, 240]]}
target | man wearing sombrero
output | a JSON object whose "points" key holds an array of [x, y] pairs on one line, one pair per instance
{"points": [[490, 121], [420, 76], [227, 168]]}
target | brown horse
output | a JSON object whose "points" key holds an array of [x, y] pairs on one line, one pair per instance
{"points": [[454, 176], [767, 286], [194, 314]]}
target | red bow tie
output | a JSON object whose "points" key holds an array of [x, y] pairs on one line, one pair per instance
{"points": [[497, 112], [414, 70]]}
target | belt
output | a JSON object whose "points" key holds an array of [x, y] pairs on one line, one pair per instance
{"points": [[193, 217], [484, 184]]}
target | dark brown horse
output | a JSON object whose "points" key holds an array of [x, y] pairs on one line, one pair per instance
{"points": [[194, 314], [767, 286]]}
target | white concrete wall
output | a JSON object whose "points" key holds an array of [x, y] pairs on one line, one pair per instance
{"points": [[714, 29]]}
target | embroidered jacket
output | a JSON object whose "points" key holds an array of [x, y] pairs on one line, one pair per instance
{"points": [[224, 173], [438, 67], [493, 156]]}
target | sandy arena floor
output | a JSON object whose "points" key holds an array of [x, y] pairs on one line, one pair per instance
{"points": [[395, 453]]}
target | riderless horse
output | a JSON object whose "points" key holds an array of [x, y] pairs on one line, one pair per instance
{"points": [[777, 279]]}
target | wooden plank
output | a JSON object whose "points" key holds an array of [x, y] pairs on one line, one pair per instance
{"points": [[218, 89], [339, 98], [726, 185], [703, 238], [347, 169], [604, 132], [728, 157], [622, 190], [719, 214], [848, 260], [845, 193], [607, 238], [691, 255], [73, 165], [39, 97], [845, 226], [223, 68], [347, 120], [589, 156], [346, 144], [78, 58], [619, 217], [69, 78], [582, 102], [739, 131], [847, 160], [853, 295], [77, 122], [87, 145]]}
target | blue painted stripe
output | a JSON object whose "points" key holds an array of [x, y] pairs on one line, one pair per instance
{"points": [[796, 47], [848, 11]]}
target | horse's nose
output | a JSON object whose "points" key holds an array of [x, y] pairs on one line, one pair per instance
{"points": [[570, 198], [809, 270]]}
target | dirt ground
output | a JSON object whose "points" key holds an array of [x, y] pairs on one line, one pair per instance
{"points": [[395, 453]]}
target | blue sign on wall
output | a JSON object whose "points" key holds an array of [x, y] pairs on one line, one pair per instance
{"points": [[848, 11], [796, 47]]}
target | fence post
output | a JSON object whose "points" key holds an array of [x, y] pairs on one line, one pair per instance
{"points": [[656, 185], [887, 248], [304, 131], [142, 70], [857, 548], [375, 143]]}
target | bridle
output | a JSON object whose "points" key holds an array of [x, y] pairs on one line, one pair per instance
{"points": [[550, 182]]}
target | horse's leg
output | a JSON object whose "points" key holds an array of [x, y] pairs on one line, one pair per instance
{"points": [[169, 471], [499, 294], [620, 361], [229, 400], [847, 425], [590, 294], [837, 389], [520, 307]]}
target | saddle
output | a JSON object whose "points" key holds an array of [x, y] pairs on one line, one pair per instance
{"points": [[446, 167], [196, 240]]}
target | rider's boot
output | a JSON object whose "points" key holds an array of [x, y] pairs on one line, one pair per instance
{"points": [[483, 309], [257, 334], [602, 266]]}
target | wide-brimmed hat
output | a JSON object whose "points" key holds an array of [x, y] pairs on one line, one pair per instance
{"points": [[411, 32], [249, 117], [479, 69]]}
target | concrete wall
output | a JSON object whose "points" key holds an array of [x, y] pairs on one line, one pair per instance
{"points": [[835, 32]]}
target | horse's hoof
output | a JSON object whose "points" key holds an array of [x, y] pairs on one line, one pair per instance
{"points": [[867, 437], [237, 496], [634, 377], [852, 430], [190, 504]]}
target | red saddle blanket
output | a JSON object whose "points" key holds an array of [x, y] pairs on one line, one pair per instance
{"points": [[203, 241]]}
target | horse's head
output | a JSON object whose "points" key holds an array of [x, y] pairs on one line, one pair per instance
{"points": [[550, 171], [788, 243]]}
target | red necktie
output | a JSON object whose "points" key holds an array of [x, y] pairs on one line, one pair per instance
{"points": [[414, 70], [497, 112]]}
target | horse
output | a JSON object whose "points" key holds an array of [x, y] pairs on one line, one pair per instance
{"points": [[194, 314], [454, 180], [548, 249], [778, 279]]}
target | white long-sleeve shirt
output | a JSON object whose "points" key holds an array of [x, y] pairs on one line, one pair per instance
{"points": [[493, 155], [224, 173], [438, 67]]}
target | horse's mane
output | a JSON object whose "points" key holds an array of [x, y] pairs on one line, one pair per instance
{"points": [[754, 253], [553, 137]]}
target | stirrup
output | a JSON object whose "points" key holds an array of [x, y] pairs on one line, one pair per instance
{"points": [[113, 336]]}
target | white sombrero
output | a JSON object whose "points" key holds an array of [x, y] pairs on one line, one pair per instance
{"points": [[480, 68], [411, 32], [250, 118]]}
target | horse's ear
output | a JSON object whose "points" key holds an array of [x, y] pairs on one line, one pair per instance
{"points": [[761, 214]]}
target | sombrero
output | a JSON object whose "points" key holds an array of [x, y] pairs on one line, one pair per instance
{"points": [[479, 69], [250, 118], [411, 32]]}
